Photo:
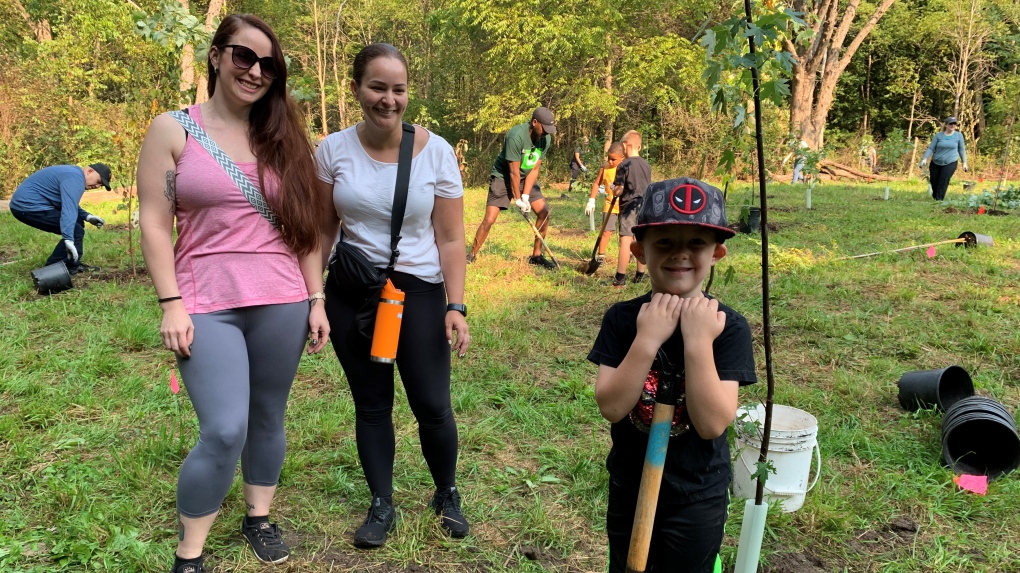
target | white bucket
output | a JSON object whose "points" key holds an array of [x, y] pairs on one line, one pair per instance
{"points": [[792, 444]]}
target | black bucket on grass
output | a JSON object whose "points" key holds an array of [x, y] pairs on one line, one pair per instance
{"points": [[979, 437], [974, 240], [52, 279], [750, 219], [940, 388]]}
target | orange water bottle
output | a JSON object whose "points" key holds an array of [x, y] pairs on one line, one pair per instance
{"points": [[387, 324]]}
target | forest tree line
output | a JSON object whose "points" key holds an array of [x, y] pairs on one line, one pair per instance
{"points": [[81, 79]]}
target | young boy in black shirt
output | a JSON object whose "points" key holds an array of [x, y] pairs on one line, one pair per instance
{"points": [[633, 176], [679, 235]]}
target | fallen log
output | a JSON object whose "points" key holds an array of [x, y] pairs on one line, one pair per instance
{"points": [[839, 170]]}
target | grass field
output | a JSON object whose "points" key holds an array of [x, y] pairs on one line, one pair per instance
{"points": [[91, 437]]}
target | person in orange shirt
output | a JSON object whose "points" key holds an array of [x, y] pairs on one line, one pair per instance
{"points": [[604, 180]]}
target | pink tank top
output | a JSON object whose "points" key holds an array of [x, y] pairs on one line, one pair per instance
{"points": [[227, 255]]}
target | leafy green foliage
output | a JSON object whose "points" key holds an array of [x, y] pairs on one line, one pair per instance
{"points": [[1008, 198]]}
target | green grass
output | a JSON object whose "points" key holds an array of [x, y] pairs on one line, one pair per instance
{"points": [[91, 437]]}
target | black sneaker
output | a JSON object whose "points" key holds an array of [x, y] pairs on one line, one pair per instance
{"points": [[446, 504], [541, 261], [638, 277], [379, 522], [619, 283], [190, 567], [266, 541]]}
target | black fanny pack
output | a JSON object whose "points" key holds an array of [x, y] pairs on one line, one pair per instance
{"points": [[360, 283]]}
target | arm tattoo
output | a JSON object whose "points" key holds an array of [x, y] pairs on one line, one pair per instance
{"points": [[171, 190]]}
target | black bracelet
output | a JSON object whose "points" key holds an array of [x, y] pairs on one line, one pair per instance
{"points": [[169, 298], [457, 307]]}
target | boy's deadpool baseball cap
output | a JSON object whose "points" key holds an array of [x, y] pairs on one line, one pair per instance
{"points": [[684, 201]]}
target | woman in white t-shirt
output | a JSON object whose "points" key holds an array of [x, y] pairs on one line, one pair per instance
{"points": [[358, 167]]}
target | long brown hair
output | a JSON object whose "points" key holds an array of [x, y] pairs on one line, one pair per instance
{"points": [[276, 134]]}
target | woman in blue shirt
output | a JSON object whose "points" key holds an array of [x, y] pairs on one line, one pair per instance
{"points": [[946, 149]]}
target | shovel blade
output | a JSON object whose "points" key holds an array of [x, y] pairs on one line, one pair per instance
{"points": [[593, 265]]}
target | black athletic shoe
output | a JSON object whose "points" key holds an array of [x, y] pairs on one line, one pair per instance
{"points": [[379, 522], [266, 541], [446, 504], [638, 277], [190, 567], [619, 283], [541, 261]]}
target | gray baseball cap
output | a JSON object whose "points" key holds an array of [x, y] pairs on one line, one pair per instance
{"points": [[544, 116], [684, 201]]}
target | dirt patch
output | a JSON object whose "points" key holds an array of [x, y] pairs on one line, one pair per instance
{"points": [[996, 213], [571, 232], [796, 563], [115, 275], [899, 533], [546, 559], [7, 255]]}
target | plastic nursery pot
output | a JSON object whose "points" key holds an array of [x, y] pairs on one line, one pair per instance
{"points": [[974, 239], [939, 388], [979, 437], [52, 278], [750, 219]]}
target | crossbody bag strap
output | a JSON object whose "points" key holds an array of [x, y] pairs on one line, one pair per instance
{"points": [[250, 192], [400, 191]]}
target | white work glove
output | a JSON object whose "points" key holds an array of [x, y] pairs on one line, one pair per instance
{"points": [[602, 189], [72, 252], [923, 162], [95, 220], [965, 170], [590, 207], [523, 204], [584, 168]]}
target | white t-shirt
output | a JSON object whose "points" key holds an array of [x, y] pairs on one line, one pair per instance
{"points": [[363, 197]]}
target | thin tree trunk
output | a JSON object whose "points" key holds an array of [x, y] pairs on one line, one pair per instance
{"points": [[607, 124], [341, 86], [202, 87], [320, 68], [187, 68]]}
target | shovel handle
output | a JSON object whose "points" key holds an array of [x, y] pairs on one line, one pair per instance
{"points": [[539, 236]]}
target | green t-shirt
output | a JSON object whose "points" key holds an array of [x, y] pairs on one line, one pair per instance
{"points": [[517, 146]]}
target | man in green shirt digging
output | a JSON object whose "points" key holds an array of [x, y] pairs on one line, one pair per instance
{"points": [[514, 178]]}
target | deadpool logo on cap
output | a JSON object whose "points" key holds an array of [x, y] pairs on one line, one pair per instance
{"points": [[688, 199]]}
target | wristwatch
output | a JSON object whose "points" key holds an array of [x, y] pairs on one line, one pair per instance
{"points": [[461, 308]]}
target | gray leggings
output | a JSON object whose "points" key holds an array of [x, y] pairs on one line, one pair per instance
{"points": [[239, 375]]}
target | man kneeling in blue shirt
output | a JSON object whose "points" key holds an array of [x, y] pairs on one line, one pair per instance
{"points": [[48, 200]]}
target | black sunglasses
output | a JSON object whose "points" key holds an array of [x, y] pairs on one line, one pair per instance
{"points": [[244, 58]]}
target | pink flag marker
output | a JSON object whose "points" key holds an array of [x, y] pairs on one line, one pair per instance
{"points": [[974, 484], [174, 386], [931, 252]]}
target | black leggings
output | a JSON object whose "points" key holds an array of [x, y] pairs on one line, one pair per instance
{"points": [[940, 176], [423, 359]]}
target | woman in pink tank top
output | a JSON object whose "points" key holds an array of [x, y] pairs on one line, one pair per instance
{"points": [[239, 294]]}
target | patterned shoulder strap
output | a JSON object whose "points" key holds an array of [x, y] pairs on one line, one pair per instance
{"points": [[250, 192]]}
